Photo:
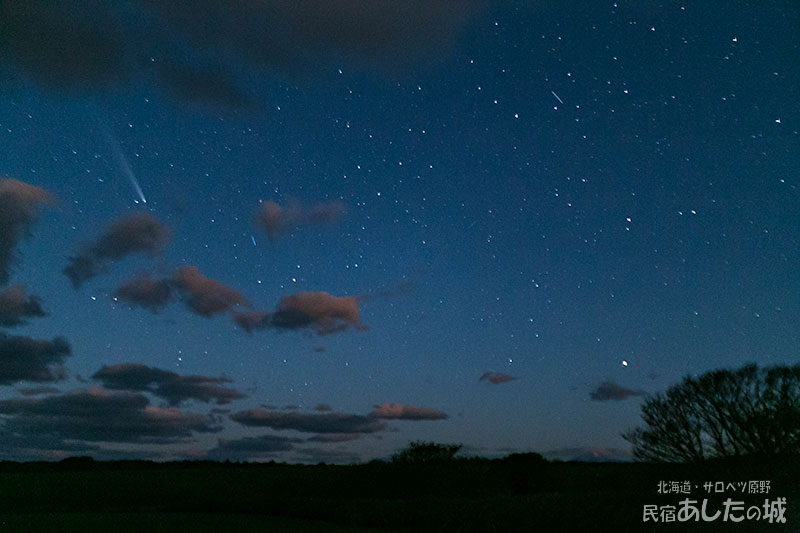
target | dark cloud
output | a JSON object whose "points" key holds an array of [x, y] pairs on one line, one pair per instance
{"points": [[146, 292], [252, 447], [495, 378], [62, 44], [298, 35], [252, 320], [326, 455], [277, 221], [402, 288], [95, 45], [608, 390], [309, 423], [42, 446], [291, 407], [205, 296], [19, 208], [589, 454], [100, 415], [135, 233], [334, 437], [36, 391], [26, 359], [323, 407], [170, 386], [15, 306], [396, 411], [319, 311], [209, 87]]}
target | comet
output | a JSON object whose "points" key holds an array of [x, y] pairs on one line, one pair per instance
{"points": [[128, 171], [123, 162]]}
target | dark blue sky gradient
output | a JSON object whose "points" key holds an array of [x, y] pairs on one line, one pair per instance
{"points": [[541, 190]]}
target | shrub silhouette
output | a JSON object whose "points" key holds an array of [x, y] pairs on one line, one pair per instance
{"points": [[722, 413], [419, 452]]}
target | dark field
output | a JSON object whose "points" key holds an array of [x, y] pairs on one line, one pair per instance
{"points": [[516, 493]]}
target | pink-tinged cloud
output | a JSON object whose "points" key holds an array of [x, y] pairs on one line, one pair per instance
{"points": [[320, 312], [145, 292], [495, 378], [205, 296], [135, 233], [19, 208], [277, 221], [252, 320], [16, 306], [397, 411]]}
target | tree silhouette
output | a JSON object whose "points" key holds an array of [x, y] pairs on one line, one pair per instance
{"points": [[418, 452], [722, 413]]}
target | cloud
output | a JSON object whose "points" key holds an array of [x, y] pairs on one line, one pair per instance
{"points": [[145, 292], [277, 221], [608, 390], [589, 454], [300, 34], [170, 386], [210, 87], [205, 296], [334, 437], [62, 44], [100, 415], [396, 411], [326, 455], [26, 359], [319, 311], [252, 320], [95, 45], [309, 423], [323, 312], [36, 391], [402, 288], [335, 427], [135, 233], [19, 208], [42, 446], [495, 378], [252, 447], [323, 407], [15, 306]]}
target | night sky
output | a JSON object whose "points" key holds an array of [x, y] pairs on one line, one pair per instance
{"points": [[317, 230]]}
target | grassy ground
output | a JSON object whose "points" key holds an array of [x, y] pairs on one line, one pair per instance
{"points": [[477, 495]]}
